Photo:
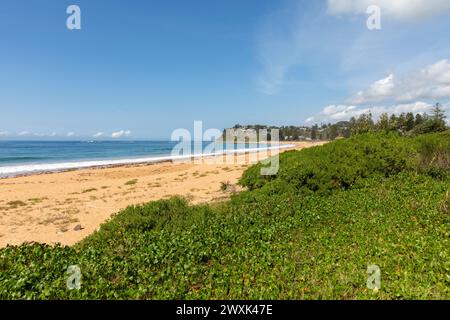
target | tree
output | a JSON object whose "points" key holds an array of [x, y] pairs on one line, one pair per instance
{"points": [[432, 123], [383, 123], [352, 126], [314, 132], [401, 122], [363, 124], [409, 121], [333, 132], [438, 118], [393, 122], [418, 120]]}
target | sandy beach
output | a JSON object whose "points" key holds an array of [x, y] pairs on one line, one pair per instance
{"points": [[49, 208]]}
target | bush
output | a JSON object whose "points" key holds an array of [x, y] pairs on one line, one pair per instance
{"points": [[339, 165], [345, 164], [308, 233], [434, 154]]}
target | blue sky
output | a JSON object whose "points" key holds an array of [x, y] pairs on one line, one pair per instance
{"points": [[141, 69]]}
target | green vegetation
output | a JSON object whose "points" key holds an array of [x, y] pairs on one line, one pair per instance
{"points": [[89, 190], [308, 233], [295, 133], [405, 124], [37, 200], [16, 204], [338, 165], [131, 182]]}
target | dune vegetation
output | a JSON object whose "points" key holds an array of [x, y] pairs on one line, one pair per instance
{"points": [[310, 232]]}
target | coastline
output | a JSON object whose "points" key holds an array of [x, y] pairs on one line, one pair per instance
{"points": [[21, 170], [46, 207]]}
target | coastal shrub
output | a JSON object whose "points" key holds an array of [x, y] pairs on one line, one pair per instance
{"points": [[295, 236], [434, 154], [345, 164], [158, 215], [34, 271], [338, 165]]}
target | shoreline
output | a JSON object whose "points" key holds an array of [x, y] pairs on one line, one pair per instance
{"points": [[47, 208], [24, 170]]}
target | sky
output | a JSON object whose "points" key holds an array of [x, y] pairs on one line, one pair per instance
{"points": [[139, 69]]}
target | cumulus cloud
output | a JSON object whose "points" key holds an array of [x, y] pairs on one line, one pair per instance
{"points": [[415, 92], [398, 9], [3, 133], [36, 134], [335, 113], [114, 135], [70, 134], [339, 112], [120, 134], [378, 91], [431, 82]]}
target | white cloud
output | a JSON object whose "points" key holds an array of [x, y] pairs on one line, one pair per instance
{"points": [[120, 134], [41, 135], [115, 135], [415, 92], [397, 9], [378, 91], [431, 82], [3, 133], [339, 112], [70, 134], [24, 133], [335, 113]]}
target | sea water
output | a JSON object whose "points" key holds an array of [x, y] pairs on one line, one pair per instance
{"points": [[25, 157]]}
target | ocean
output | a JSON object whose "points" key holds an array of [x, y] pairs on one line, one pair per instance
{"points": [[25, 157]]}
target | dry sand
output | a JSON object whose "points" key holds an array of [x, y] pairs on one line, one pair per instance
{"points": [[47, 207]]}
